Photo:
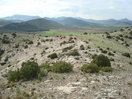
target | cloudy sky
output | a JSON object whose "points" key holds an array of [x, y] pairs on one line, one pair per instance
{"points": [[91, 9]]}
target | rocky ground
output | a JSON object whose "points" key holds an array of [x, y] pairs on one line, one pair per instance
{"points": [[74, 85]]}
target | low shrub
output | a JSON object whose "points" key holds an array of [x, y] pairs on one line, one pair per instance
{"points": [[126, 55], [26, 46], [1, 51], [5, 41], [39, 77], [121, 29], [14, 35], [111, 54], [62, 43], [73, 53], [53, 56], [17, 46], [88, 47], [30, 42], [104, 51], [111, 59], [94, 56], [82, 47], [90, 68], [29, 70], [62, 67], [67, 48], [130, 32], [85, 33], [108, 36], [101, 61], [45, 66], [106, 69], [14, 76]]}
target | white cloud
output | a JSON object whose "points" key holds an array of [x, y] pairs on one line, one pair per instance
{"points": [[97, 9]]}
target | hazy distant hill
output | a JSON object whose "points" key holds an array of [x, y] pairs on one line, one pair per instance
{"points": [[21, 17], [123, 22], [74, 22], [32, 25]]}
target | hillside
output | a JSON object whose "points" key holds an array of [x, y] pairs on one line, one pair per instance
{"points": [[111, 82], [5, 22], [32, 25]]}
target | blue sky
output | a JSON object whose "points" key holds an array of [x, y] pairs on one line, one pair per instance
{"points": [[91, 9]]}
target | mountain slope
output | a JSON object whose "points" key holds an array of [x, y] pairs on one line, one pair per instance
{"points": [[5, 22], [32, 25]]}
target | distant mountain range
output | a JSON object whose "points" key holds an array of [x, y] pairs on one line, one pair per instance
{"points": [[20, 17], [35, 23], [40, 24], [114, 22]]}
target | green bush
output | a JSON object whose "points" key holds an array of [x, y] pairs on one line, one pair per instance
{"points": [[130, 32], [106, 69], [17, 46], [108, 36], [39, 77], [88, 47], [82, 47], [5, 41], [94, 56], [45, 66], [30, 42], [126, 55], [67, 48], [14, 35], [73, 53], [14, 76], [29, 70], [111, 54], [26, 46], [85, 33], [1, 52], [90, 68], [104, 51], [102, 61], [111, 59], [53, 56], [62, 67]]}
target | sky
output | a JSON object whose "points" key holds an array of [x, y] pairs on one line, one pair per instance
{"points": [[90, 9]]}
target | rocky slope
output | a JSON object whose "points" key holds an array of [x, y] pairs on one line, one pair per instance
{"points": [[74, 85]]}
